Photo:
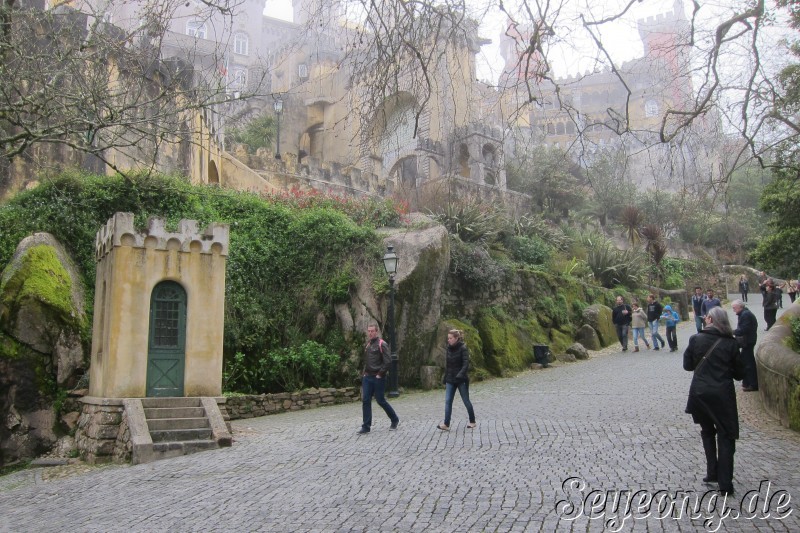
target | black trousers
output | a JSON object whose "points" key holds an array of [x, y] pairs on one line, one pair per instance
{"points": [[719, 450], [672, 337], [750, 369], [770, 317]]}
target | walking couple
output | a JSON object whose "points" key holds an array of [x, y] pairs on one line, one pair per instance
{"points": [[377, 358]]}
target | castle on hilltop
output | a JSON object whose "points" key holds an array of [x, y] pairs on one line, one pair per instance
{"points": [[332, 138]]}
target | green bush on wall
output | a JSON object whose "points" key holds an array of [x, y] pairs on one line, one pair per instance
{"points": [[290, 256]]}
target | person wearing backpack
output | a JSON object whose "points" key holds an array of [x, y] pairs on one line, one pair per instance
{"points": [[377, 358], [671, 319], [456, 377]]}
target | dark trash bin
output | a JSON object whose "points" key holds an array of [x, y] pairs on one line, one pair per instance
{"points": [[541, 352]]}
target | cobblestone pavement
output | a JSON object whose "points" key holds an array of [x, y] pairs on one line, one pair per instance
{"points": [[614, 423]]}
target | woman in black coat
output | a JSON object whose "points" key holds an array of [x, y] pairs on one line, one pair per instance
{"points": [[770, 304], [713, 355], [455, 377]]}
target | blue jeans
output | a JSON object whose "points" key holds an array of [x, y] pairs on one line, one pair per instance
{"points": [[638, 332], [698, 322], [654, 333], [370, 385], [450, 394]]}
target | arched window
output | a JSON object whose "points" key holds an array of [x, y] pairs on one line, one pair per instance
{"points": [[196, 28], [551, 129], [241, 44], [239, 79], [560, 128]]}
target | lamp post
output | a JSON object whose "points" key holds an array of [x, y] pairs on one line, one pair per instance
{"points": [[390, 264], [278, 106]]}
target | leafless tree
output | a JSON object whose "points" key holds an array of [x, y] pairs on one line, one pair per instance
{"points": [[720, 67], [125, 95]]}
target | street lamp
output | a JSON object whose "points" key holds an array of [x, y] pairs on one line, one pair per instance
{"points": [[390, 264], [278, 106]]}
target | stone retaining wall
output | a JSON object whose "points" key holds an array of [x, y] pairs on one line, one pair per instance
{"points": [[268, 404], [98, 438], [779, 372]]}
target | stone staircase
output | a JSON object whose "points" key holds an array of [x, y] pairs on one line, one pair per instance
{"points": [[170, 427]]}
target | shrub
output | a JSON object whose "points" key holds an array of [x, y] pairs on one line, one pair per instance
{"points": [[794, 338], [309, 364], [473, 264], [529, 250]]}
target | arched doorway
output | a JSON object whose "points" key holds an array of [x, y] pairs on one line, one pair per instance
{"points": [[213, 175], [166, 354]]}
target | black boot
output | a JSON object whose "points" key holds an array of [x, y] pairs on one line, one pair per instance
{"points": [[710, 447]]}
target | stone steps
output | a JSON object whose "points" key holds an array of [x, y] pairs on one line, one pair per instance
{"points": [[153, 413], [171, 427], [161, 424]]}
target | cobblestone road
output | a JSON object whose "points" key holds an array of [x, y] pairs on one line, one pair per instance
{"points": [[615, 423]]}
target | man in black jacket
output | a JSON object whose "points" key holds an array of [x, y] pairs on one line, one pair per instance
{"points": [[654, 310], [621, 316], [746, 333]]}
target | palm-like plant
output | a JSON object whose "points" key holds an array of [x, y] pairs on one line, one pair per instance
{"points": [[632, 220]]}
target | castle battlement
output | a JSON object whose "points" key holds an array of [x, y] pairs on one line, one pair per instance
{"points": [[120, 231]]}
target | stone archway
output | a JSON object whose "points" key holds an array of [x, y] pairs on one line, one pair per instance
{"points": [[213, 174]]}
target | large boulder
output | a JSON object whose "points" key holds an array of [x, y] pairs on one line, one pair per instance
{"points": [[578, 351], [587, 336], [599, 317], [42, 319]]}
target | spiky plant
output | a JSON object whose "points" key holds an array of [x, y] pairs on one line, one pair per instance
{"points": [[632, 220]]}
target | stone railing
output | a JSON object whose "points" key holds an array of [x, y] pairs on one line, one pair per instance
{"points": [[779, 372], [250, 406]]}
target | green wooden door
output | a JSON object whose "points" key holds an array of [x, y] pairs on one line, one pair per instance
{"points": [[166, 352]]}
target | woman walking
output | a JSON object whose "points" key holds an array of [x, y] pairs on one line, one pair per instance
{"points": [[744, 287], [638, 323], [455, 377], [770, 304], [713, 355]]}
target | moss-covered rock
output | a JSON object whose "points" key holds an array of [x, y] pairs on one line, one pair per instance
{"points": [[41, 305], [560, 341], [587, 336], [508, 343], [599, 317], [42, 324], [425, 257]]}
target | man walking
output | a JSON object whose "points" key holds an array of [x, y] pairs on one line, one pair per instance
{"points": [[710, 302], [746, 333], [621, 317], [654, 310], [377, 358], [697, 303]]}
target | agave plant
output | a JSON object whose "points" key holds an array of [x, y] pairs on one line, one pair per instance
{"points": [[473, 220], [610, 265]]}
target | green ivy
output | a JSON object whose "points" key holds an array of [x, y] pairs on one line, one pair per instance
{"points": [[291, 257]]}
